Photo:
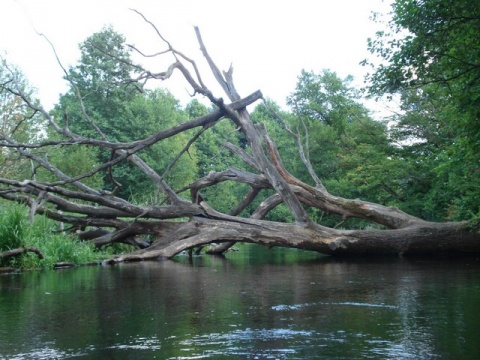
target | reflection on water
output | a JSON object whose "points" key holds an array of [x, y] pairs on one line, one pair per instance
{"points": [[255, 304]]}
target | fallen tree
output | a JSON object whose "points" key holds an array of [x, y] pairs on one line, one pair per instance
{"points": [[179, 224]]}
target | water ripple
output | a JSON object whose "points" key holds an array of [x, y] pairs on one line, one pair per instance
{"points": [[283, 307], [140, 343], [239, 343]]}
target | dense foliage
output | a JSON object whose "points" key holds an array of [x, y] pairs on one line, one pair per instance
{"points": [[431, 58], [43, 234], [121, 111], [16, 120]]}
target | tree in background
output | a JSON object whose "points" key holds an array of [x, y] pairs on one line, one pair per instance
{"points": [[213, 156], [115, 107], [350, 152], [431, 57], [17, 120], [103, 80]]}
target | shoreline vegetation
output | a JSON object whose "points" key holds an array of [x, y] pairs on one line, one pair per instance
{"points": [[41, 245]]}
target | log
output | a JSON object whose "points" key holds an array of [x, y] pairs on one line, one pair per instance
{"points": [[63, 265], [427, 238], [21, 250]]}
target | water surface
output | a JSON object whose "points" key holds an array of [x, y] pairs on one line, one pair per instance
{"points": [[252, 304]]}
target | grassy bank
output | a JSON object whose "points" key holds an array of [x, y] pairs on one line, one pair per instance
{"points": [[16, 231]]}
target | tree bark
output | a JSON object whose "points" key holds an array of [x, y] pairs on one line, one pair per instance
{"points": [[419, 239]]}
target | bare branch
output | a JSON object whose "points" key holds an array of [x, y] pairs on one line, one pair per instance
{"points": [[304, 153]]}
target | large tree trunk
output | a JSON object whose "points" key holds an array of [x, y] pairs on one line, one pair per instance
{"points": [[424, 238], [103, 217]]}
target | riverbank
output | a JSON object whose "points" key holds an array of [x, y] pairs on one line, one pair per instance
{"points": [[43, 235]]}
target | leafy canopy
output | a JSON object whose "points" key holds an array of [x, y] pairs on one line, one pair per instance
{"points": [[431, 58]]}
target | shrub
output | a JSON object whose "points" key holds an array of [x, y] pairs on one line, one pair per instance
{"points": [[17, 231]]}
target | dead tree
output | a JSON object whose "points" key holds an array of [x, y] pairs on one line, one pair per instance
{"points": [[71, 201]]}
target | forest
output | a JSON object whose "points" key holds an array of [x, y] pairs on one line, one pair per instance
{"points": [[119, 160]]}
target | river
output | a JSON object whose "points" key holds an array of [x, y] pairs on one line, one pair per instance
{"points": [[252, 304]]}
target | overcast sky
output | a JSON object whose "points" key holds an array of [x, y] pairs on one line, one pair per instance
{"points": [[268, 42]]}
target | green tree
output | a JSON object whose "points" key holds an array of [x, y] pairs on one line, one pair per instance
{"points": [[145, 115], [350, 151], [431, 56], [429, 41], [212, 155], [18, 122], [111, 101], [326, 98], [103, 80], [436, 185]]}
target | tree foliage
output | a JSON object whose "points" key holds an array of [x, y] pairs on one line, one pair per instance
{"points": [[431, 57], [349, 150], [17, 120], [429, 41], [120, 110]]}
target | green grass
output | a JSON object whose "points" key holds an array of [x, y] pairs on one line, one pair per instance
{"points": [[16, 231], [12, 228]]}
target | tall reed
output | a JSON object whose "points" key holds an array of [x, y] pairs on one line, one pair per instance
{"points": [[17, 231]]}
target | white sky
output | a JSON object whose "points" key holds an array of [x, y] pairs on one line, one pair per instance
{"points": [[268, 42]]}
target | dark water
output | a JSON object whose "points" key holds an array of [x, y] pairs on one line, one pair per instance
{"points": [[255, 304]]}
